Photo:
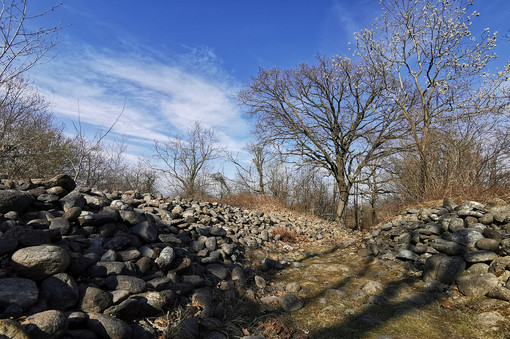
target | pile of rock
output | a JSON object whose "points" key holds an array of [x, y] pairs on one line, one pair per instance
{"points": [[79, 263], [467, 245]]}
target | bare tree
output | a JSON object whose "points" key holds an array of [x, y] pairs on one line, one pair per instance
{"points": [[330, 116], [90, 160], [440, 66], [30, 143], [185, 159], [24, 42], [139, 177], [253, 177]]}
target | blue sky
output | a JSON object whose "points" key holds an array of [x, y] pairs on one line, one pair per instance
{"points": [[169, 63]]}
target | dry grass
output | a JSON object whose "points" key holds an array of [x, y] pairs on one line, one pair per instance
{"points": [[285, 235], [254, 202]]}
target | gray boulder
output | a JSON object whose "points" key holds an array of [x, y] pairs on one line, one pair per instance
{"points": [[13, 200], [476, 285], [126, 282], [39, 262], [95, 300], [106, 326], [73, 199], [480, 256], [18, 291], [290, 302], [443, 268], [62, 291], [145, 231], [467, 237], [166, 258], [46, 325], [62, 180]]}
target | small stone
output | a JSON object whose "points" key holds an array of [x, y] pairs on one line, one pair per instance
{"points": [[407, 255], [480, 256], [218, 270], [72, 213], [272, 264], [60, 224], [130, 217], [95, 300], [166, 258], [499, 292], [467, 237], [211, 244], [62, 180], [449, 247], [11, 329], [290, 302], [260, 282], [126, 282], [73, 199], [217, 231], [487, 244], [443, 268], [455, 224]]}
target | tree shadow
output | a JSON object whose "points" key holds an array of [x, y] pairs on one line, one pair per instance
{"points": [[381, 307]]}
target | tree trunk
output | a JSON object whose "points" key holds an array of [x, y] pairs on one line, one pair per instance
{"points": [[343, 198]]}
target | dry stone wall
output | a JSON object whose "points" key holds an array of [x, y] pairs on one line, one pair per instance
{"points": [[79, 263], [467, 245]]}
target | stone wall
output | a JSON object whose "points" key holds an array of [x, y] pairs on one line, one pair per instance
{"points": [[467, 245], [79, 263]]}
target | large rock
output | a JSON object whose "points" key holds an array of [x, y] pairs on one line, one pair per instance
{"points": [[130, 217], [145, 231], [443, 268], [46, 325], [467, 237], [18, 291], [449, 247], [62, 180], [73, 199], [108, 327], [62, 291], [476, 285], [13, 200], [39, 262]]}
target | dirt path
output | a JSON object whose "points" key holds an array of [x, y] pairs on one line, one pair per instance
{"points": [[349, 296]]}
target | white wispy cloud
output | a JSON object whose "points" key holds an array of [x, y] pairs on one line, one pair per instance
{"points": [[158, 98]]}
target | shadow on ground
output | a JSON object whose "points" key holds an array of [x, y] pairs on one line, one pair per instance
{"points": [[368, 312]]}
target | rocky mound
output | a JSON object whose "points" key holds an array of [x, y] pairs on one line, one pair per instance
{"points": [[79, 263], [466, 245]]}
